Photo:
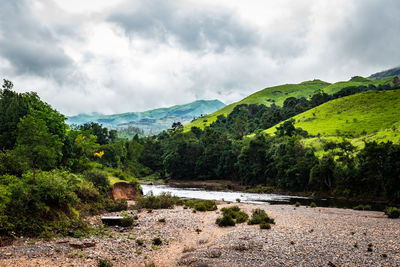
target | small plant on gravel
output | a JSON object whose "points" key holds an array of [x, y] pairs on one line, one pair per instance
{"points": [[138, 252], [126, 220], [135, 217], [161, 220], [297, 204], [384, 255], [157, 241], [313, 205], [265, 226], [140, 241], [392, 212], [369, 249], [238, 200], [103, 262], [150, 265], [259, 216], [163, 201]]}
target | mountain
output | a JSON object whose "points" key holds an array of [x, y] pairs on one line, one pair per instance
{"points": [[385, 74], [151, 121], [272, 95]]}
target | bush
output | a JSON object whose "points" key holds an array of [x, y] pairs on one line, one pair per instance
{"points": [[157, 241], [103, 262], [297, 204], [265, 226], [201, 205], [163, 201], [313, 205], [117, 205], [231, 216], [98, 178], [259, 216], [392, 212], [225, 220]]}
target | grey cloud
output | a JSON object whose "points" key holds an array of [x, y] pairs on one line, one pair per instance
{"points": [[29, 46], [369, 34], [193, 29]]}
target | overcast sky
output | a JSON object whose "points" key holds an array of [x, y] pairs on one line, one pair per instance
{"points": [[105, 56]]}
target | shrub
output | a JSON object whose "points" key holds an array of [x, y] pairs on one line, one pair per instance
{"points": [[259, 216], [126, 220], [297, 204], [225, 220], [157, 241], [392, 212], [201, 205], [265, 226], [103, 262], [163, 201], [313, 205], [162, 220], [117, 205], [140, 241], [98, 178]]}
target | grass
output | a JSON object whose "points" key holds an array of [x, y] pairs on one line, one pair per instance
{"points": [[267, 96], [369, 116]]}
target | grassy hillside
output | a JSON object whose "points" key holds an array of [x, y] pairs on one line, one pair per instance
{"points": [[373, 115], [267, 96]]}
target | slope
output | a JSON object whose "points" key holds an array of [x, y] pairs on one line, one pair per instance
{"points": [[267, 96], [370, 116], [385, 74]]}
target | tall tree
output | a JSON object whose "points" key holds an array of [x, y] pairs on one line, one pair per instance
{"points": [[39, 147]]}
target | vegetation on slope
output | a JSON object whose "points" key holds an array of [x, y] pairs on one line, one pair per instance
{"points": [[385, 74], [268, 96]]}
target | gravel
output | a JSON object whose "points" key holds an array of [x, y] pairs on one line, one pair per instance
{"points": [[300, 237]]}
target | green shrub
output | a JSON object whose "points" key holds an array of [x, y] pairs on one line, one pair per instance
{"points": [[201, 205], [157, 241], [163, 201], [99, 179], [117, 205], [392, 212], [265, 226], [225, 220], [161, 220], [297, 204], [259, 216], [313, 205], [140, 241]]}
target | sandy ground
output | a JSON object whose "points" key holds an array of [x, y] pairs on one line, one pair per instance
{"points": [[301, 237]]}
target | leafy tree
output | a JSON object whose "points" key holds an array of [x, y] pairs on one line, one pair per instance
{"points": [[39, 147]]}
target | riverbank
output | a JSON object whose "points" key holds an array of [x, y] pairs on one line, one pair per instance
{"points": [[301, 236]]}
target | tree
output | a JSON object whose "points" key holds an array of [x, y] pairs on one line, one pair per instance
{"points": [[36, 144]]}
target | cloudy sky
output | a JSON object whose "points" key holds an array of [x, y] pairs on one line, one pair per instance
{"points": [[104, 56]]}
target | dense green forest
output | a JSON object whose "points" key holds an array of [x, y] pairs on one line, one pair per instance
{"points": [[52, 174]]}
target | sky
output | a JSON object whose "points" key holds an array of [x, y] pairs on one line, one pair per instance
{"points": [[84, 56]]}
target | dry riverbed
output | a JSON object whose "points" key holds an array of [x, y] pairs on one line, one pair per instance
{"points": [[301, 237]]}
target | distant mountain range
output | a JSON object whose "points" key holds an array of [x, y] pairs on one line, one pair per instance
{"points": [[385, 74], [151, 121]]}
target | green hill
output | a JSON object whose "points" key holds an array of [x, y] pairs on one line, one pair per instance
{"points": [[385, 74], [355, 81], [151, 121], [267, 96], [373, 115]]}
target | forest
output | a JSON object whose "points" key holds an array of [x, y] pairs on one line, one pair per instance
{"points": [[52, 174]]}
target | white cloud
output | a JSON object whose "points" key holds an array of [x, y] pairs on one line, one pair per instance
{"points": [[119, 56]]}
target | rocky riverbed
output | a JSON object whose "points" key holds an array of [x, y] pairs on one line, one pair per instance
{"points": [[302, 236]]}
